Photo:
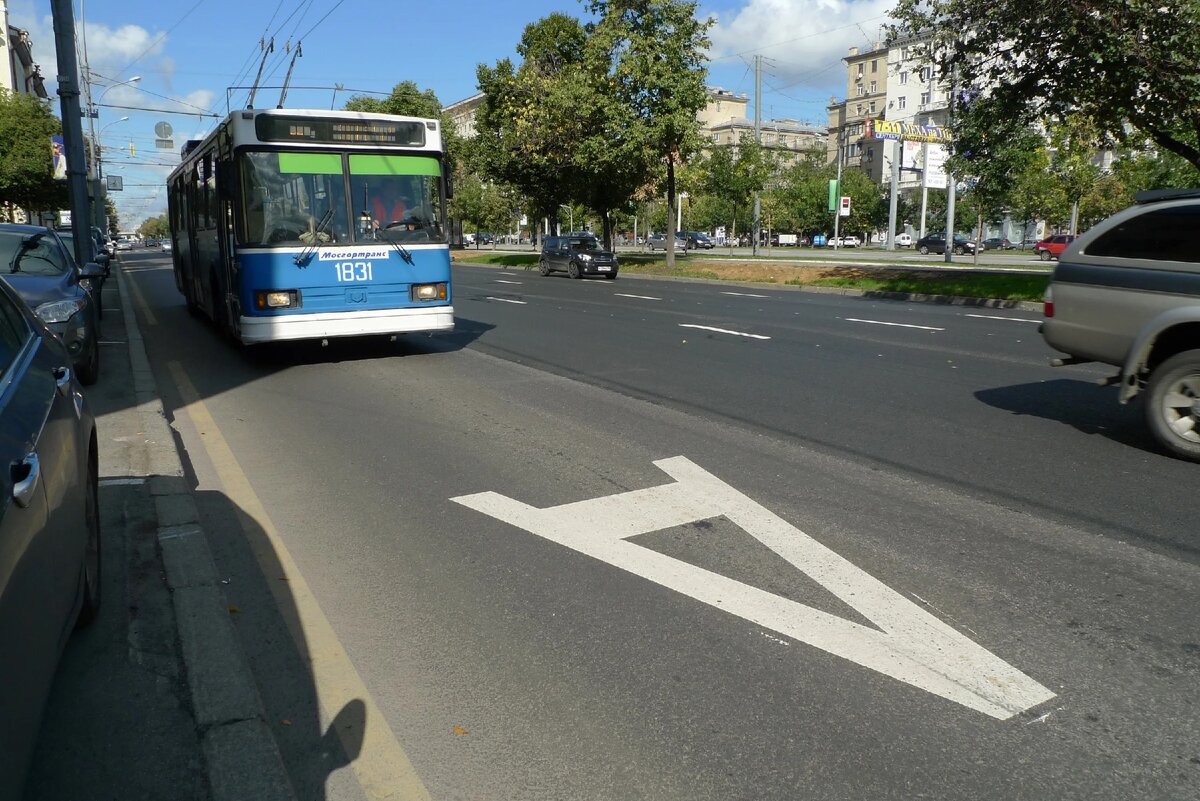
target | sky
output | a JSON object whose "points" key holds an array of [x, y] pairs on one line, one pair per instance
{"points": [[187, 54]]}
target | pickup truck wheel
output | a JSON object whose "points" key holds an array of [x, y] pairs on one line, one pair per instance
{"points": [[1173, 404]]}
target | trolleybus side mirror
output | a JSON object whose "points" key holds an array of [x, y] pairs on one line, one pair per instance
{"points": [[448, 172], [225, 180]]}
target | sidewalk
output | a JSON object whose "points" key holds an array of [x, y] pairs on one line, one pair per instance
{"points": [[154, 700]]}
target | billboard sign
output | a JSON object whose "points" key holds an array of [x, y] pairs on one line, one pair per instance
{"points": [[906, 131]]}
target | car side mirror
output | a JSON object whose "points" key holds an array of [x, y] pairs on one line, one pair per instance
{"points": [[91, 270], [102, 259]]}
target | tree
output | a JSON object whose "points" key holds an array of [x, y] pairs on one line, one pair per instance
{"points": [[524, 138], [1132, 62], [26, 172], [734, 174], [654, 57], [155, 228]]}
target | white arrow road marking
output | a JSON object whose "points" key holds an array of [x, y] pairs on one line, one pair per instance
{"points": [[911, 645], [723, 331], [898, 325], [508, 300]]}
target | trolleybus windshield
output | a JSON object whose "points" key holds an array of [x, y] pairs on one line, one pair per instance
{"points": [[286, 195]]}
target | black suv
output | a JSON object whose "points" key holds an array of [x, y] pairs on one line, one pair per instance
{"points": [[1127, 293], [936, 243], [577, 256]]}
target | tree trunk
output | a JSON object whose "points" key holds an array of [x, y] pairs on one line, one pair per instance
{"points": [[606, 225]]}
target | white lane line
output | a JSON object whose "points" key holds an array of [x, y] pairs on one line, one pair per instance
{"points": [[994, 317], [723, 331], [502, 281], [122, 482], [898, 325], [745, 295], [639, 297], [507, 300]]}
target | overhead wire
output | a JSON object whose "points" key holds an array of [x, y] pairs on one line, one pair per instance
{"points": [[158, 39]]}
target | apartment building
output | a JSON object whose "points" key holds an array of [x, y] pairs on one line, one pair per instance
{"points": [[866, 97], [19, 74]]}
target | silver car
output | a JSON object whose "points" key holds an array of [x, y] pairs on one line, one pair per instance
{"points": [[1127, 293], [49, 524]]}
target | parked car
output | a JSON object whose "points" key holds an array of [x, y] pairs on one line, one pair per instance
{"points": [[98, 254], [577, 256], [936, 243], [1052, 246], [49, 524], [124, 244], [997, 243], [63, 295], [659, 241], [904, 240], [848, 241], [1127, 293], [165, 247], [698, 240]]}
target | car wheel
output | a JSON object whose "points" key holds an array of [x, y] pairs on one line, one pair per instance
{"points": [[958, 251], [1044, 255], [89, 605], [1173, 404], [924, 250], [543, 267], [573, 270]]}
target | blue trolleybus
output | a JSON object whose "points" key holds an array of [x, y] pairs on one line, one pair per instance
{"points": [[301, 224]]}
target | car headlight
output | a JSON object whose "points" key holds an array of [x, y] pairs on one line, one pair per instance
{"points": [[59, 311], [585, 257]]}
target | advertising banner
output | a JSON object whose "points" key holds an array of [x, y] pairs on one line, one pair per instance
{"points": [[935, 166], [907, 131], [58, 158]]}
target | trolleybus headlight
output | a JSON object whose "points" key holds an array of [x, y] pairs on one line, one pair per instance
{"points": [[276, 299], [427, 292]]}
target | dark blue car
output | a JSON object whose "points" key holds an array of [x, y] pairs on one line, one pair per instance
{"points": [[49, 524], [35, 262]]}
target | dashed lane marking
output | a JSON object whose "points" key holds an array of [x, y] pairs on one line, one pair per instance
{"points": [[745, 295], [897, 325], [724, 331], [995, 317], [508, 300], [639, 297]]}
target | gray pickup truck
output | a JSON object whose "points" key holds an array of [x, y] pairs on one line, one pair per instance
{"points": [[1127, 293]]}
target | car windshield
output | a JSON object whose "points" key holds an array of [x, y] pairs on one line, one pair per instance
{"points": [[32, 254], [300, 198], [584, 243]]}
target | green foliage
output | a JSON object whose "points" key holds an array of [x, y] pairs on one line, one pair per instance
{"points": [[155, 228], [592, 112], [26, 125], [731, 175], [1132, 62]]}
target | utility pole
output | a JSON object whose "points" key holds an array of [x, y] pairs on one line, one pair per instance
{"points": [[68, 92], [951, 183], [896, 151], [757, 141], [837, 194]]}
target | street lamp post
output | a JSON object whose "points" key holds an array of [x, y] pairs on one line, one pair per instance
{"points": [[93, 114], [570, 215]]}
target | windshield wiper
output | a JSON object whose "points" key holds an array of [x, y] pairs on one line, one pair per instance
{"points": [[403, 251], [303, 256]]}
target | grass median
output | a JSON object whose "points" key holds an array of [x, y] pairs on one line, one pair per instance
{"points": [[957, 283]]}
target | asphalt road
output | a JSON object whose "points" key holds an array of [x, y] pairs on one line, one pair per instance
{"points": [[891, 553]]}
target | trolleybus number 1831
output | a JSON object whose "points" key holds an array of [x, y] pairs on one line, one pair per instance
{"points": [[353, 271]]}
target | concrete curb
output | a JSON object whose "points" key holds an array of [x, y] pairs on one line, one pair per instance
{"points": [[242, 756]]}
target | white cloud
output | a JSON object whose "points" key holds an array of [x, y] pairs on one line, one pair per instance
{"points": [[804, 40]]}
